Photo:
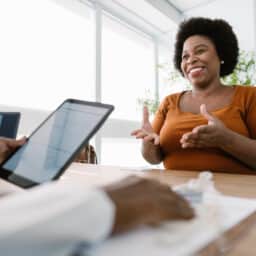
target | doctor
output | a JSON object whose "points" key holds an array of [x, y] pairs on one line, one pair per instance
{"points": [[50, 219]]}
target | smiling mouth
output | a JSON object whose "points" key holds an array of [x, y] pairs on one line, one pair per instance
{"points": [[195, 71]]}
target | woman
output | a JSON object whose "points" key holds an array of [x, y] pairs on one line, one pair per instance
{"points": [[212, 126]]}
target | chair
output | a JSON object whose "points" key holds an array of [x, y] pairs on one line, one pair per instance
{"points": [[87, 155], [9, 123]]}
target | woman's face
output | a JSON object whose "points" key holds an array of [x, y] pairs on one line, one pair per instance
{"points": [[200, 62]]}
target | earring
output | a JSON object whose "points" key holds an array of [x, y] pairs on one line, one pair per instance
{"points": [[222, 62]]}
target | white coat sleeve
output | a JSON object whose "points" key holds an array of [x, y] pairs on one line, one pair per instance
{"points": [[66, 212]]}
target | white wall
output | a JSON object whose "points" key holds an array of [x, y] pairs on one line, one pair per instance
{"points": [[240, 15]]}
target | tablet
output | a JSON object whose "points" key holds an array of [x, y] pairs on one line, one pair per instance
{"points": [[54, 144]]}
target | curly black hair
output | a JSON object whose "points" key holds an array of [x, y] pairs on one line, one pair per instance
{"points": [[218, 31]]}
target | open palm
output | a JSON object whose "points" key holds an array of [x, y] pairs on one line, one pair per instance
{"points": [[146, 131]]}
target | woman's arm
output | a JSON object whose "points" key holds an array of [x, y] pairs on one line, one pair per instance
{"points": [[216, 134], [240, 147], [151, 152]]}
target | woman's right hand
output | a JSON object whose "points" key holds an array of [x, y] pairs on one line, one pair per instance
{"points": [[146, 131]]}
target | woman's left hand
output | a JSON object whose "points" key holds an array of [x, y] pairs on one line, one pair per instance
{"points": [[212, 134]]}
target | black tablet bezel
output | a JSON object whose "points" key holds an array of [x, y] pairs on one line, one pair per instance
{"points": [[27, 183]]}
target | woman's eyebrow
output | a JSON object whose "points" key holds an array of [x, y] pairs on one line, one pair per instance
{"points": [[201, 45], [197, 46]]}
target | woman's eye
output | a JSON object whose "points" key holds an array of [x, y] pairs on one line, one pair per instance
{"points": [[199, 51], [185, 57]]}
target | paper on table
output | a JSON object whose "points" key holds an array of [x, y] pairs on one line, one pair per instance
{"points": [[170, 237]]}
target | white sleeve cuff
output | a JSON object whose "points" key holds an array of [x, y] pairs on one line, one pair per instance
{"points": [[59, 212], [96, 216]]}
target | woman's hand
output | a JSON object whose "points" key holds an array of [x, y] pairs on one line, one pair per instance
{"points": [[146, 131], [7, 146], [151, 149], [211, 135], [144, 201]]}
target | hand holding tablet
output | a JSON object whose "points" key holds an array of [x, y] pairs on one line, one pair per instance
{"points": [[53, 145]]}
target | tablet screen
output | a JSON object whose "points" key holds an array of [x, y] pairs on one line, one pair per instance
{"points": [[54, 144]]}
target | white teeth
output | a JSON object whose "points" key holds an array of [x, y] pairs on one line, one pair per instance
{"points": [[195, 70]]}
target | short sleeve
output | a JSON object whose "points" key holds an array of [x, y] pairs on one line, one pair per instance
{"points": [[251, 112], [160, 116]]}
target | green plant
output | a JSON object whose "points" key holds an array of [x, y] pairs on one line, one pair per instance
{"points": [[243, 74], [150, 101], [245, 70]]}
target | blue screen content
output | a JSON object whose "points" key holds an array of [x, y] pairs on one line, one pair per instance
{"points": [[54, 143]]}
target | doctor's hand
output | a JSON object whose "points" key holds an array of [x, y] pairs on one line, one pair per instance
{"points": [[141, 201], [7, 146], [211, 135], [146, 131]]}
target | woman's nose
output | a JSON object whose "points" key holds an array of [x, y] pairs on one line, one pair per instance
{"points": [[192, 59]]}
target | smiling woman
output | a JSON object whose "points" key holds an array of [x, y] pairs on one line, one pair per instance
{"points": [[210, 127]]}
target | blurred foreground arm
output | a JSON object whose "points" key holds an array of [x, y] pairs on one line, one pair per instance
{"points": [[70, 213], [142, 201]]}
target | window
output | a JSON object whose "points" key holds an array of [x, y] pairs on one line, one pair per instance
{"points": [[122, 152], [127, 68], [128, 72], [47, 53], [170, 80]]}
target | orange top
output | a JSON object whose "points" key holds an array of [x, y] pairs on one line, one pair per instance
{"points": [[171, 123]]}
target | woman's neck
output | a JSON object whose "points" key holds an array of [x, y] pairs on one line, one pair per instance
{"points": [[211, 90]]}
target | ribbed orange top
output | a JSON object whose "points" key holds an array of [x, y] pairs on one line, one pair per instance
{"points": [[171, 123]]}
